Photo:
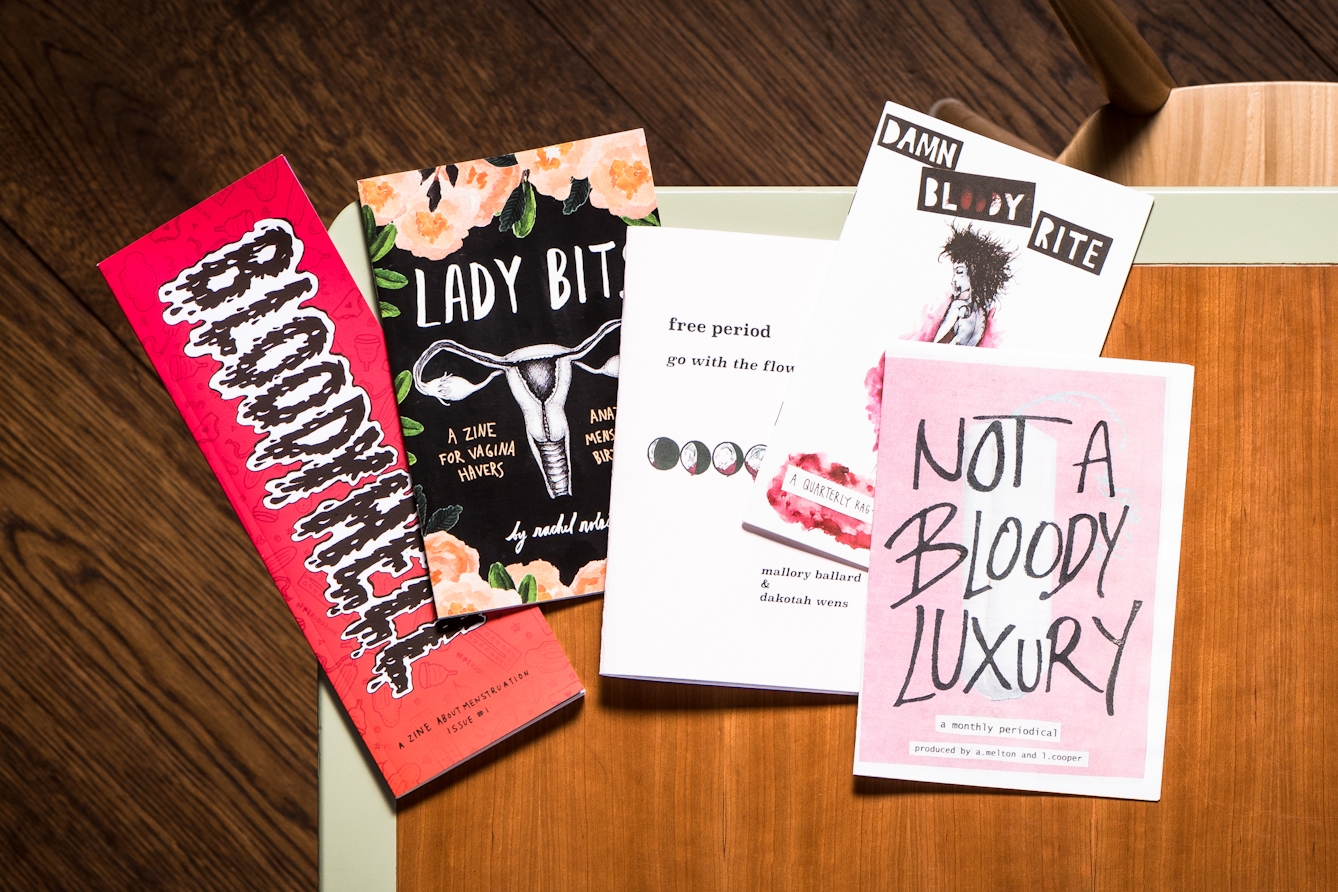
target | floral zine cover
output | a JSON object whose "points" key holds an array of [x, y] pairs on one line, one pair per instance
{"points": [[501, 286], [276, 363], [952, 238], [1022, 582]]}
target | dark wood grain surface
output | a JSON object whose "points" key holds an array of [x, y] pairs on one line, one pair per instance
{"points": [[157, 721]]}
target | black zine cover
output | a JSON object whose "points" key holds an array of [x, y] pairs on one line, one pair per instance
{"points": [[500, 285]]}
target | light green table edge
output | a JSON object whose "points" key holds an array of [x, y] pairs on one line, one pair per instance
{"points": [[1188, 226]]}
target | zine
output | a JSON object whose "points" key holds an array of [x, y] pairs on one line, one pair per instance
{"points": [[712, 326], [1022, 581], [501, 287], [952, 238], [274, 359]]}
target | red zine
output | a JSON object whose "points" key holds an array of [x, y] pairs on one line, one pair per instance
{"points": [[279, 368]]}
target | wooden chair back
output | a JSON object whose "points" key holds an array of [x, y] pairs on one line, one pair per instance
{"points": [[1156, 134]]}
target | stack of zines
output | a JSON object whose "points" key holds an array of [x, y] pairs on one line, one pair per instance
{"points": [[571, 400]]}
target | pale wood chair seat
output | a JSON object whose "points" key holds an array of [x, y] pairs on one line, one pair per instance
{"points": [[1153, 133], [1252, 134]]}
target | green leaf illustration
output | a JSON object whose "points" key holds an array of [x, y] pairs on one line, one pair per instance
{"points": [[528, 212], [389, 311], [420, 504], [528, 589], [410, 427], [499, 578], [502, 160], [649, 220], [413, 459], [389, 279], [382, 244], [443, 519], [368, 223], [510, 212], [403, 381], [576, 199]]}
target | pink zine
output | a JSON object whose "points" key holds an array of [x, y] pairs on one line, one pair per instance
{"points": [[278, 367], [1026, 541]]}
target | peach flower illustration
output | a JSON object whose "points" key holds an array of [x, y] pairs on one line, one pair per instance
{"points": [[470, 594], [434, 210], [431, 214], [491, 185], [547, 580], [620, 179], [387, 196], [457, 586], [435, 230], [552, 168], [448, 558], [589, 579]]}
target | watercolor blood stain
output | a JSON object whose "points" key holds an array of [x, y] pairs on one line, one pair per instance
{"points": [[814, 516]]}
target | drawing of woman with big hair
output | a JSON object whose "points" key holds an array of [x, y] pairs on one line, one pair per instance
{"points": [[981, 268]]}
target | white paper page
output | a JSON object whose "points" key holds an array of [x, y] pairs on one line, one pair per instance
{"points": [[712, 323], [1047, 280]]}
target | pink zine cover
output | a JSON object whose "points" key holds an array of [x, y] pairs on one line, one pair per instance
{"points": [[278, 367], [1022, 586]]}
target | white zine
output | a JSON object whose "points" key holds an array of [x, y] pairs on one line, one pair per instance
{"points": [[712, 325], [953, 239]]}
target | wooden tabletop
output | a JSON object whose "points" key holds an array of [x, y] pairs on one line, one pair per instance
{"points": [[157, 721], [661, 786]]}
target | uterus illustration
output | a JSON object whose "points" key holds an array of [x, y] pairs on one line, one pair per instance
{"points": [[540, 378]]}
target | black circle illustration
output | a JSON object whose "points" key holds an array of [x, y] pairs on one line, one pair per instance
{"points": [[753, 460], [695, 457], [727, 458], [663, 453]]}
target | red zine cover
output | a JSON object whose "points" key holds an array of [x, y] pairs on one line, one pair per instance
{"points": [[279, 368]]}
